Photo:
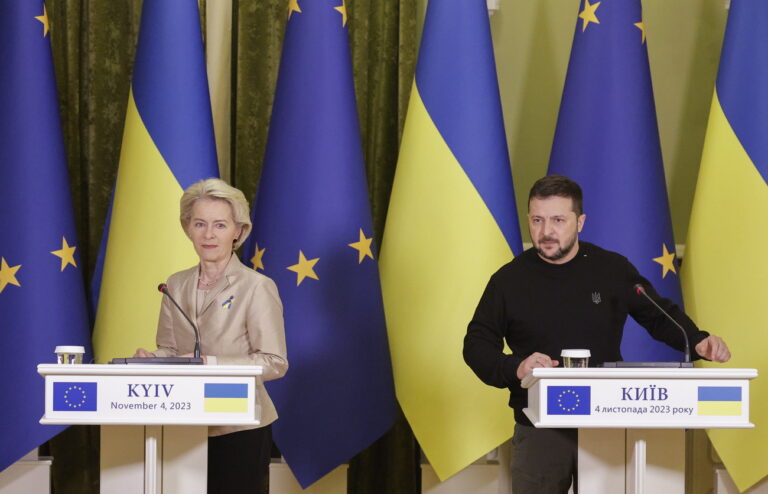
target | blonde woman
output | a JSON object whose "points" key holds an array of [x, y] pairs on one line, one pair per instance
{"points": [[240, 318]]}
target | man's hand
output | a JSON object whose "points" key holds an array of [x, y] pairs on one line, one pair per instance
{"points": [[536, 360], [141, 353], [712, 348]]}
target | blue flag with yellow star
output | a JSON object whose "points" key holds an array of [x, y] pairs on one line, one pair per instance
{"points": [[42, 296], [607, 140], [313, 236]]}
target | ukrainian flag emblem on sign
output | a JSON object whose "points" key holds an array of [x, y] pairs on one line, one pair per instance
{"points": [[226, 397], [719, 400]]}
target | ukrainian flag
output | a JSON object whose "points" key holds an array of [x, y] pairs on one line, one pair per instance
{"points": [[719, 400], [226, 397], [452, 222], [725, 274], [168, 145]]}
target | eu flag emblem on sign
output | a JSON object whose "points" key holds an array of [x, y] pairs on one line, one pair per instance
{"points": [[74, 397], [568, 400]]}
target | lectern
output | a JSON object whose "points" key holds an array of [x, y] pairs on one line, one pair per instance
{"points": [[169, 407], [623, 413]]}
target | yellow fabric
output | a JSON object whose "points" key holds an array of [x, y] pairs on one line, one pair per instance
{"points": [[724, 278], [146, 244], [440, 247]]}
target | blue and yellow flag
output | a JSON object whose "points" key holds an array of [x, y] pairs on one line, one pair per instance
{"points": [[42, 297], [725, 276], [168, 144], [313, 236], [452, 222], [607, 140]]}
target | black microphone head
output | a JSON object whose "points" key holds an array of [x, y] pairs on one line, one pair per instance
{"points": [[639, 289], [162, 287]]}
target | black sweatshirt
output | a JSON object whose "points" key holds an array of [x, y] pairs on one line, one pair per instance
{"points": [[536, 306]]}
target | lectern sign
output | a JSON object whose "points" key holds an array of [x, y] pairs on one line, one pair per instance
{"points": [[150, 394], [653, 398]]}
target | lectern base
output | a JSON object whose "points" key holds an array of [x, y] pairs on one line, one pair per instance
{"points": [[634, 461], [154, 459]]}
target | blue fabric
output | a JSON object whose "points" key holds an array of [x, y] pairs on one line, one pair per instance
{"points": [[338, 395], [607, 140], [49, 307]]}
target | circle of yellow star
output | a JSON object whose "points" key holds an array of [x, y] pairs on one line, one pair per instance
{"points": [[293, 6], [8, 274], [588, 14], [66, 253], [667, 260], [343, 10], [304, 268], [257, 259], [44, 19], [363, 246], [641, 27]]}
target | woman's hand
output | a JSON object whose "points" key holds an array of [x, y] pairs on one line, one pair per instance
{"points": [[141, 353]]}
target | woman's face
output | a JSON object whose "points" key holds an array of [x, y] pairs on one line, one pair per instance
{"points": [[212, 229]]}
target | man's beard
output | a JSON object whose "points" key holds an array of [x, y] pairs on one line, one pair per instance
{"points": [[561, 252]]}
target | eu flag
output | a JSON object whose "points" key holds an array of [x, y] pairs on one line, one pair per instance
{"points": [[607, 140], [569, 400], [75, 396], [313, 236], [42, 299]]}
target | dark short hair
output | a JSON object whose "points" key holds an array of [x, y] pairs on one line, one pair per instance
{"points": [[561, 186]]}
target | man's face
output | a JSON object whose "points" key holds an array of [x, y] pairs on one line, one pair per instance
{"points": [[554, 228]]}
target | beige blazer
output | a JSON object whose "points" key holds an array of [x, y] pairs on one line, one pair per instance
{"points": [[240, 323]]}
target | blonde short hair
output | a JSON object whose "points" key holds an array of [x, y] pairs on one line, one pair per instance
{"points": [[214, 188]]}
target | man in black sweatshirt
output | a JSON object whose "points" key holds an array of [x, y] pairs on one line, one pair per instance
{"points": [[542, 302]]}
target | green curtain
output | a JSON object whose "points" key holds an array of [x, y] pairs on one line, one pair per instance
{"points": [[94, 43]]}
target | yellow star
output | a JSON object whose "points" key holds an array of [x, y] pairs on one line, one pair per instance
{"points": [[363, 247], [343, 10], [304, 268], [293, 6], [67, 254], [641, 27], [588, 14], [667, 260], [44, 19], [258, 255], [8, 274]]}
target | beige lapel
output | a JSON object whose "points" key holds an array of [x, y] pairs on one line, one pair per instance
{"points": [[223, 283], [187, 292]]}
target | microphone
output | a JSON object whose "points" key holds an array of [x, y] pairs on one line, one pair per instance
{"points": [[640, 290], [163, 288]]}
